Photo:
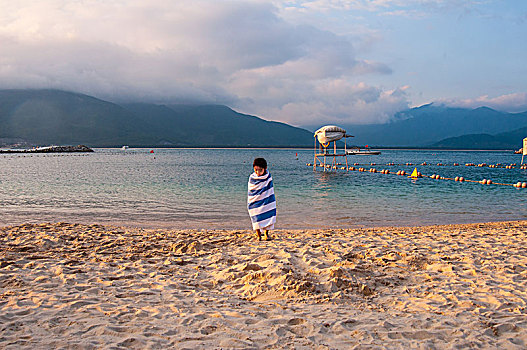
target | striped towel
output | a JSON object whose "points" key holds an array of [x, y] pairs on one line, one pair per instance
{"points": [[261, 202]]}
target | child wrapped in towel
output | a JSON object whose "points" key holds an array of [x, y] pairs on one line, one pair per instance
{"points": [[261, 202]]}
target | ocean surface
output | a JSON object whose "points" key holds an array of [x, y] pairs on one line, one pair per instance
{"points": [[206, 188]]}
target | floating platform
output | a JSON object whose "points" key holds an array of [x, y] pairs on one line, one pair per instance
{"points": [[359, 152]]}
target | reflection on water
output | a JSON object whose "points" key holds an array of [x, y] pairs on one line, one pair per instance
{"points": [[207, 188]]}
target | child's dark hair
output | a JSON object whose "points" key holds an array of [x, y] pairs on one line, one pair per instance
{"points": [[260, 162]]}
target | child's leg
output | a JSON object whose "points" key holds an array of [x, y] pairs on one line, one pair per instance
{"points": [[259, 234], [266, 235]]}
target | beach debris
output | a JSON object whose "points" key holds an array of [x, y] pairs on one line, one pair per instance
{"points": [[365, 290]]}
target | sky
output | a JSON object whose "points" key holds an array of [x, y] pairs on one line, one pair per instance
{"points": [[298, 62]]}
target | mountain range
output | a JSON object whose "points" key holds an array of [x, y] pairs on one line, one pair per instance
{"points": [[445, 127], [44, 117]]}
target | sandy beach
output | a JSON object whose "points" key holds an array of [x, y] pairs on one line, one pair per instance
{"points": [[91, 286]]}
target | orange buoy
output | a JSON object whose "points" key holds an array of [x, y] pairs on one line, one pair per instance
{"points": [[456, 178], [524, 184]]}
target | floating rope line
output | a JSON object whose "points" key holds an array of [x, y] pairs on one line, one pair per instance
{"points": [[481, 165], [434, 176]]}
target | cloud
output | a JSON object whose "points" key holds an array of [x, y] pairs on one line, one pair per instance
{"points": [[335, 101], [240, 53], [516, 102]]}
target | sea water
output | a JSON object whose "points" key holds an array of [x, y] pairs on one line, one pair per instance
{"points": [[206, 188]]}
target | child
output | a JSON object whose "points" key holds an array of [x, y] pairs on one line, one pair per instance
{"points": [[261, 202]]}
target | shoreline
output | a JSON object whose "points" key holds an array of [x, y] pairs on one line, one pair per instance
{"points": [[92, 286], [212, 227]]}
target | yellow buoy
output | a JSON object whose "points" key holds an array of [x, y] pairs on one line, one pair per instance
{"points": [[415, 174]]}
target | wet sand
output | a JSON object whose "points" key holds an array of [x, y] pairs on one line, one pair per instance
{"points": [[92, 286]]}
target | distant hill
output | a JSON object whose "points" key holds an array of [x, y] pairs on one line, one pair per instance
{"points": [[506, 140], [429, 124], [215, 125], [43, 117]]}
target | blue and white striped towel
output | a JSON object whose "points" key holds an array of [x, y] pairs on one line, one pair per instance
{"points": [[261, 202]]}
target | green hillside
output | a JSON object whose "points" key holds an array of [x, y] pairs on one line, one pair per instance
{"points": [[43, 117], [507, 140]]}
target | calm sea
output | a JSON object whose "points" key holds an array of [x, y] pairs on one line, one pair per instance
{"points": [[206, 188]]}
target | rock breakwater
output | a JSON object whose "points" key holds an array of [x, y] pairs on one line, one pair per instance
{"points": [[51, 149]]}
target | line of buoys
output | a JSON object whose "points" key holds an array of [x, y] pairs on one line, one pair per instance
{"points": [[434, 176], [480, 165]]}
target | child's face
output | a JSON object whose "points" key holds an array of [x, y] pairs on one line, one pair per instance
{"points": [[259, 171]]}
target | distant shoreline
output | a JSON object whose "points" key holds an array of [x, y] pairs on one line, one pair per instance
{"points": [[310, 148], [82, 148]]}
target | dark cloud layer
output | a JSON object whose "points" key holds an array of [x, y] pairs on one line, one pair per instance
{"points": [[235, 52]]}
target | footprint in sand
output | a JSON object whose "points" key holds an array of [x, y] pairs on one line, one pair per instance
{"points": [[295, 321], [208, 330]]}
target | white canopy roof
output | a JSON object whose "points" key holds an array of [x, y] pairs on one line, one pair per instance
{"points": [[330, 133]]}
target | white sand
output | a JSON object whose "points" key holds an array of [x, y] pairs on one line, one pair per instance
{"points": [[90, 286]]}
